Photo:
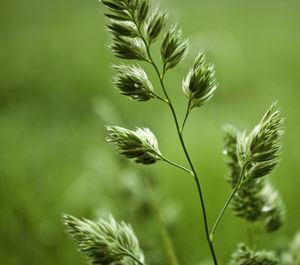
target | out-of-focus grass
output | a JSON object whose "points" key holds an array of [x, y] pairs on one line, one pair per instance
{"points": [[56, 95]]}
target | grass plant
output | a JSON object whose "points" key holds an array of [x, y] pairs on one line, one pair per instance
{"points": [[134, 26]]}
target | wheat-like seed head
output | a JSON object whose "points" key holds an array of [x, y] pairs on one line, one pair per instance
{"points": [[132, 81], [245, 256], [140, 145], [256, 199], [200, 83], [104, 242]]}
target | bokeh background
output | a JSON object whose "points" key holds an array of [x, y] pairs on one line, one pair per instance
{"points": [[56, 96]]}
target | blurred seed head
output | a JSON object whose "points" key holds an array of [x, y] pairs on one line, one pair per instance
{"points": [[230, 134], [292, 254], [256, 199], [248, 201], [273, 210], [245, 256]]}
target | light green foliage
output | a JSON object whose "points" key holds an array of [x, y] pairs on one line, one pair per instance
{"points": [[140, 145], [292, 254], [245, 256], [132, 81], [105, 242], [199, 84]]}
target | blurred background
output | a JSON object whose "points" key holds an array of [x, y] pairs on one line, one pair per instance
{"points": [[56, 96]]}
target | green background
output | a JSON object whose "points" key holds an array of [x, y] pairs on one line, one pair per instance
{"points": [[56, 96]]}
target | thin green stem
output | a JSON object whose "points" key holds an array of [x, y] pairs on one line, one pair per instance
{"points": [[179, 131], [209, 241], [236, 188], [176, 165], [160, 98], [164, 233], [133, 257], [186, 115]]}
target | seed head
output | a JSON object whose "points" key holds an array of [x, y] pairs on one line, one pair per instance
{"points": [[230, 134], [256, 199], [104, 242], [132, 81], [260, 150], [118, 10], [142, 10], [155, 24], [173, 48], [128, 48], [273, 211], [291, 256], [124, 29], [140, 145], [199, 84], [245, 256]]}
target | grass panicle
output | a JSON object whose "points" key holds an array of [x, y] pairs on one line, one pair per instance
{"points": [[128, 48], [132, 81], [200, 83], [173, 48], [140, 145], [261, 149], [104, 242], [155, 24], [135, 26], [255, 199], [245, 256]]}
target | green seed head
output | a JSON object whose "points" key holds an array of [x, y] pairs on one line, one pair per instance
{"points": [[199, 84], [140, 145]]}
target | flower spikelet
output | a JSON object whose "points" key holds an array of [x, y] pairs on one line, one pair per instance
{"points": [[155, 24], [230, 134], [104, 242], [173, 48], [140, 145], [245, 256], [200, 83], [260, 150], [128, 48], [256, 199], [273, 210], [132, 81]]}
